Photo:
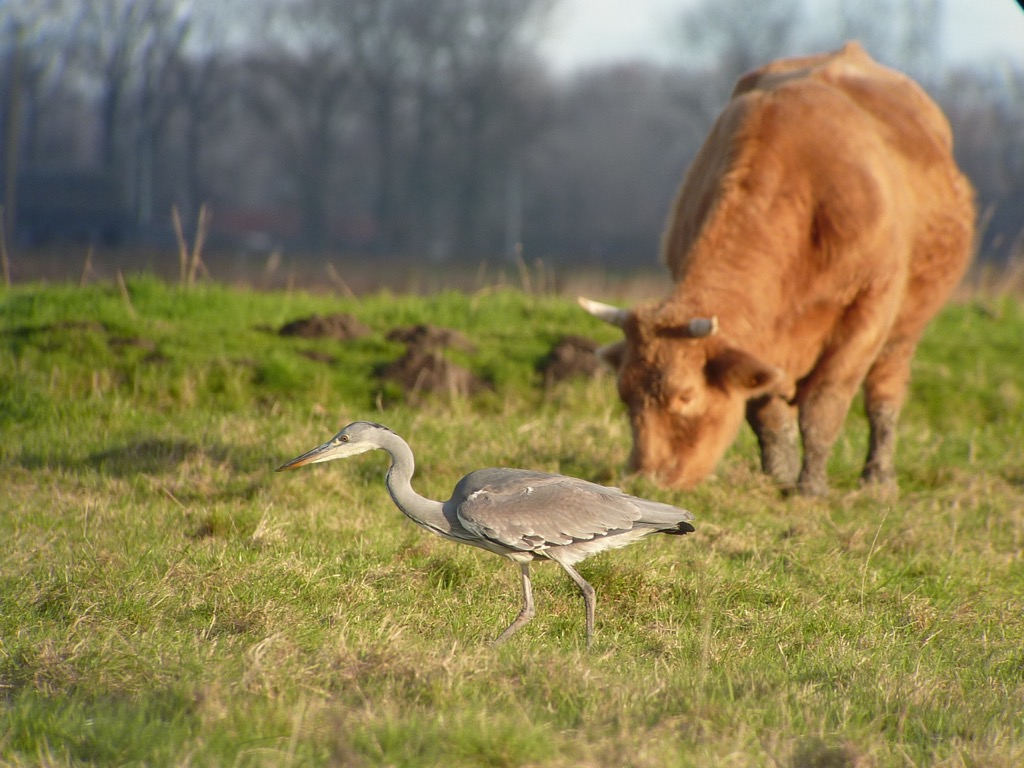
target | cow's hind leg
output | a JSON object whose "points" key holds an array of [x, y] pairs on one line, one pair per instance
{"points": [[825, 395], [885, 387], [774, 422]]}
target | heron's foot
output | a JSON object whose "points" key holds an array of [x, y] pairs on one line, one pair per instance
{"points": [[524, 616]]}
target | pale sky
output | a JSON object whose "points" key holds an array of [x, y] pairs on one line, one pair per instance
{"points": [[584, 32]]}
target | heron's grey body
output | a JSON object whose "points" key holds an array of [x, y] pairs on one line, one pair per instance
{"points": [[517, 513]]}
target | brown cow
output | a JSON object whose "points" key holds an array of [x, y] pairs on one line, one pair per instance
{"points": [[820, 227]]}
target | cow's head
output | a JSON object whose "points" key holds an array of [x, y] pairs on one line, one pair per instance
{"points": [[685, 387]]}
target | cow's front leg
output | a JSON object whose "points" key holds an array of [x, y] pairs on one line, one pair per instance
{"points": [[821, 417], [774, 421]]}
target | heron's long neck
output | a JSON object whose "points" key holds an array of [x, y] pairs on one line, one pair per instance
{"points": [[426, 512]]}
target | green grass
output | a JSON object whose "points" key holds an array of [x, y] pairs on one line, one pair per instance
{"points": [[166, 599]]}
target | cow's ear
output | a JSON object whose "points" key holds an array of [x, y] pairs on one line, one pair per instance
{"points": [[612, 354], [733, 368]]}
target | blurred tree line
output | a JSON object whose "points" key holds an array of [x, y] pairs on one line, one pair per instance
{"points": [[428, 128]]}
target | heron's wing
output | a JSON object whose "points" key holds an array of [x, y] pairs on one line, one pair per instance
{"points": [[531, 511]]}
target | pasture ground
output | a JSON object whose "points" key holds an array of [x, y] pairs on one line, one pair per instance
{"points": [[168, 600]]}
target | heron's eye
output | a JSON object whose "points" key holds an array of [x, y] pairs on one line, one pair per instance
{"points": [[343, 439]]}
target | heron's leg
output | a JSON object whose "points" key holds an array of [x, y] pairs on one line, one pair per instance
{"points": [[589, 597], [527, 612]]}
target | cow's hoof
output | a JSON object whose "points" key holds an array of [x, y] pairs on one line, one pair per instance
{"points": [[880, 485], [813, 491], [812, 488], [809, 490], [875, 475]]}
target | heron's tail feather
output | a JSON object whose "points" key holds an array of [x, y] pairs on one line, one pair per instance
{"points": [[680, 529], [664, 518]]}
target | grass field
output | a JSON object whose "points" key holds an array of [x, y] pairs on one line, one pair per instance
{"points": [[167, 599]]}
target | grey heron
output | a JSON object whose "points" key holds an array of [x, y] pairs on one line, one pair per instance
{"points": [[517, 513]]}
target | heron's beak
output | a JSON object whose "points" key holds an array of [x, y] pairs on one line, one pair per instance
{"points": [[329, 451]]}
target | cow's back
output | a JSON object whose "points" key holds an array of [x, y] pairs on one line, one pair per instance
{"points": [[842, 145], [910, 120]]}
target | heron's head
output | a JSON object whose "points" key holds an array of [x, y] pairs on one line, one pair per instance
{"points": [[358, 437]]}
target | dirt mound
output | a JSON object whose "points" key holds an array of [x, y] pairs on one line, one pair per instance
{"points": [[425, 371], [425, 337], [572, 356], [337, 326]]}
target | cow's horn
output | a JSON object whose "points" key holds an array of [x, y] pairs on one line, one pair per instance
{"points": [[606, 312], [700, 327]]}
